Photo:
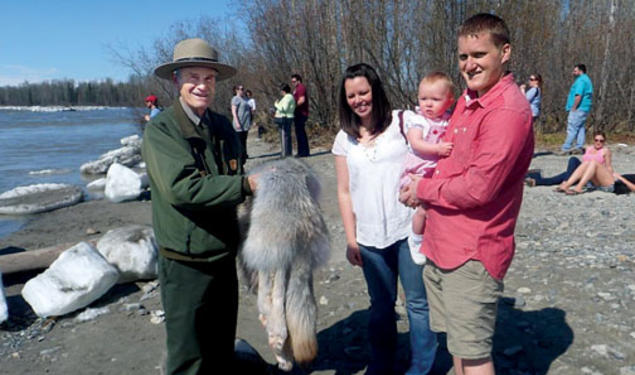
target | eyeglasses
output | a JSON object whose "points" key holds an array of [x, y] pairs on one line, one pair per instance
{"points": [[533, 79], [599, 140], [241, 88]]}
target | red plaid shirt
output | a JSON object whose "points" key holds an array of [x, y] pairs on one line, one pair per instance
{"points": [[474, 196]]}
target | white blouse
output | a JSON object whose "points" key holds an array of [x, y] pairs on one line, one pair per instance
{"points": [[374, 171]]}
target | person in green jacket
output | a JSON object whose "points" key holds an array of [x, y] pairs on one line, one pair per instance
{"points": [[285, 106], [196, 183]]}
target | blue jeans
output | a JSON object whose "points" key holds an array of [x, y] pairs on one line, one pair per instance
{"points": [[572, 165], [575, 129], [381, 269], [284, 126]]}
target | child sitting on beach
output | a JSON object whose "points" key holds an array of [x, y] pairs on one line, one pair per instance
{"points": [[423, 131]]}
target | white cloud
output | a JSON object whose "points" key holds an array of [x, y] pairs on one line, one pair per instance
{"points": [[12, 75]]}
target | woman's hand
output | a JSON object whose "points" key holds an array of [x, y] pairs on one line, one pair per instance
{"points": [[353, 255]]}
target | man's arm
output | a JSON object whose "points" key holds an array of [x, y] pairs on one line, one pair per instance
{"points": [[235, 117], [301, 95], [173, 170], [576, 102], [502, 139]]}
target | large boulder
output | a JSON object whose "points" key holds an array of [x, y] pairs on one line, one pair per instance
{"points": [[4, 311], [124, 184], [79, 276], [132, 250], [127, 155], [32, 199]]}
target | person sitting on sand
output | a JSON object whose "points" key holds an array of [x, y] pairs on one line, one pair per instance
{"points": [[534, 177], [595, 168]]}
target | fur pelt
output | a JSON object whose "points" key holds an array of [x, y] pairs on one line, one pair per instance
{"points": [[286, 239]]}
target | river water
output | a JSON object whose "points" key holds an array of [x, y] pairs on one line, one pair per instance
{"points": [[48, 145]]}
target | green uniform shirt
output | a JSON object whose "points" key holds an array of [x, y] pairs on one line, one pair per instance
{"points": [[195, 184]]}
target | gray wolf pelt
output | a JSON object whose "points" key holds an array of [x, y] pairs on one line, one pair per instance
{"points": [[286, 239]]}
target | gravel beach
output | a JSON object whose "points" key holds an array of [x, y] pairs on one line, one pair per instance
{"points": [[567, 308]]}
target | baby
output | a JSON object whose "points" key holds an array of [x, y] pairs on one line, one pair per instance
{"points": [[423, 131]]}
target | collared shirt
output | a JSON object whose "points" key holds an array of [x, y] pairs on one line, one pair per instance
{"points": [[202, 129], [474, 196], [583, 87], [190, 114]]}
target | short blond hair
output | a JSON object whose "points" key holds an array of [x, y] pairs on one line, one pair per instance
{"points": [[435, 77]]}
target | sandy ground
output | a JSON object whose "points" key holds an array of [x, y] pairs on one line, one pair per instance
{"points": [[534, 335]]}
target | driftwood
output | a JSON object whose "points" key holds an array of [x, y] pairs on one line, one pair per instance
{"points": [[32, 260]]}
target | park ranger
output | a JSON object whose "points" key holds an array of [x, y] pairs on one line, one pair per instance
{"points": [[196, 183]]}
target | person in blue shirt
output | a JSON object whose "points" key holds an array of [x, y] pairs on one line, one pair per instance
{"points": [[578, 105], [152, 103], [533, 93]]}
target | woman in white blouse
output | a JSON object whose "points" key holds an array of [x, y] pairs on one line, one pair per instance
{"points": [[369, 152]]}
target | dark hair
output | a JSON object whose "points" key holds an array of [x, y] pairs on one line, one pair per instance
{"points": [[248, 92], [297, 77], [582, 67], [538, 79], [599, 132], [284, 87], [380, 115], [486, 22], [236, 88]]}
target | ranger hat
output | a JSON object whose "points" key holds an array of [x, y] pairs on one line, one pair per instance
{"points": [[194, 52]]}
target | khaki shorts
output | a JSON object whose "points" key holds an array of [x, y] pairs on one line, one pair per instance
{"points": [[463, 304]]}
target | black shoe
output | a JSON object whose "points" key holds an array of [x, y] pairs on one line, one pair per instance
{"points": [[247, 359]]}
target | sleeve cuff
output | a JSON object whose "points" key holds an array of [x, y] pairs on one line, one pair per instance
{"points": [[246, 187]]}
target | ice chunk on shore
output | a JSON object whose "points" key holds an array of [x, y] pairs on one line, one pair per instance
{"points": [[38, 198], [4, 311], [133, 140], [49, 171], [79, 276], [127, 155], [123, 183], [29, 189], [132, 250], [97, 184]]}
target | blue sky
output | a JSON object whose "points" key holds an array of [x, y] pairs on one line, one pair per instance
{"points": [[54, 39]]}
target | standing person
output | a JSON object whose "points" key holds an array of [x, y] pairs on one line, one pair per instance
{"points": [[369, 154], [285, 107], [578, 105], [152, 103], [473, 198], [424, 130], [534, 95], [241, 115], [191, 154], [301, 114], [252, 105]]}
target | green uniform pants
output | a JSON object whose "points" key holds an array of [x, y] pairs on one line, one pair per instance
{"points": [[200, 300]]}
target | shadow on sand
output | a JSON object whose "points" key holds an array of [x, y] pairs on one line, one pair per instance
{"points": [[528, 341]]}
